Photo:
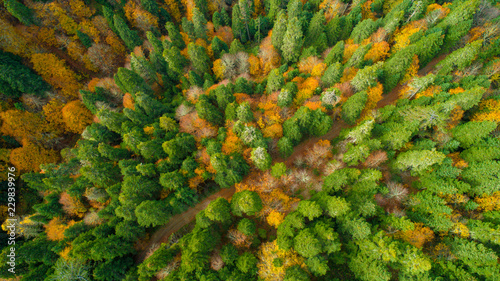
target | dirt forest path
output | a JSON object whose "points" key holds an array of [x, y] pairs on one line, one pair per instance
{"points": [[180, 220], [339, 124]]}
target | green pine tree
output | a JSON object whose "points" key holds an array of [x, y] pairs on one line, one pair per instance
{"points": [[131, 82], [128, 36], [199, 58], [175, 36], [19, 11], [316, 29], [199, 22], [292, 41], [279, 31]]}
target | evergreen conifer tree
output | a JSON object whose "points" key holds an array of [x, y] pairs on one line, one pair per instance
{"points": [[128, 36], [279, 31], [20, 11], [199, 58], [292, 41], [175, 36], [199, 22], [188, 28]]}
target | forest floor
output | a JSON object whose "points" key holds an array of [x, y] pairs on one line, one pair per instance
{"points": [[180, 220]]}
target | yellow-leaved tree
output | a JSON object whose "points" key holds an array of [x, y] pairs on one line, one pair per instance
{"points": [[275, 218], [30, 156], [76, 116], [268, 269], [56, 73]]}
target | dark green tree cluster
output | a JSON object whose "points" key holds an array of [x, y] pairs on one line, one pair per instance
{"points": [[17, 79], [305, 122], [119, 164]]}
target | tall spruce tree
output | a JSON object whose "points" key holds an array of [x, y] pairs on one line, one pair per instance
{"points": [[316, 29], [176, 62], [20, 11], [128, 36], [199, 58], [292, 41], [279, 31], [237, 23], [199, 22], [131, 82], [175, 36]]}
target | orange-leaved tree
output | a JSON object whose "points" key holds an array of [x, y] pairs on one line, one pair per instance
{"points": [[66, 22], [412, 70], [270, 122], [306, 90], [402, 37], [30, 156], [366, 10], [374, 96], [275, 218], [418, 236], [53, 116], [55, 229], [270, 58], [140, 18], [76, 116], [89, 27], [128, 101], [255, 67], [488, 110], [489, 203], [333, 8], [189, 6], [10, 39], [218, 69], [378, 51], [173, 9], [80, 9], [307, 65], [72, 205], [318, 69], [232, 143]]}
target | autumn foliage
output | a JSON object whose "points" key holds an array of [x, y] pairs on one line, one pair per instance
{"points": [[72, 206], [268, 253], [275, 218], [335, 153], [55, 229], [489, 203], [379, 51], [269, 57], [30, 156], [55, 72], [489, 110], [76, 116], [374, 96], [232, 143], [418, 236], [53, 115]]}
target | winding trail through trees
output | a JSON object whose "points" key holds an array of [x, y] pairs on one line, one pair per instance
{"points": [[178, 221]]}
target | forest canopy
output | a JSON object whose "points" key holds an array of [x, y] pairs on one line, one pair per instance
{"points": [[250, 140]]}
